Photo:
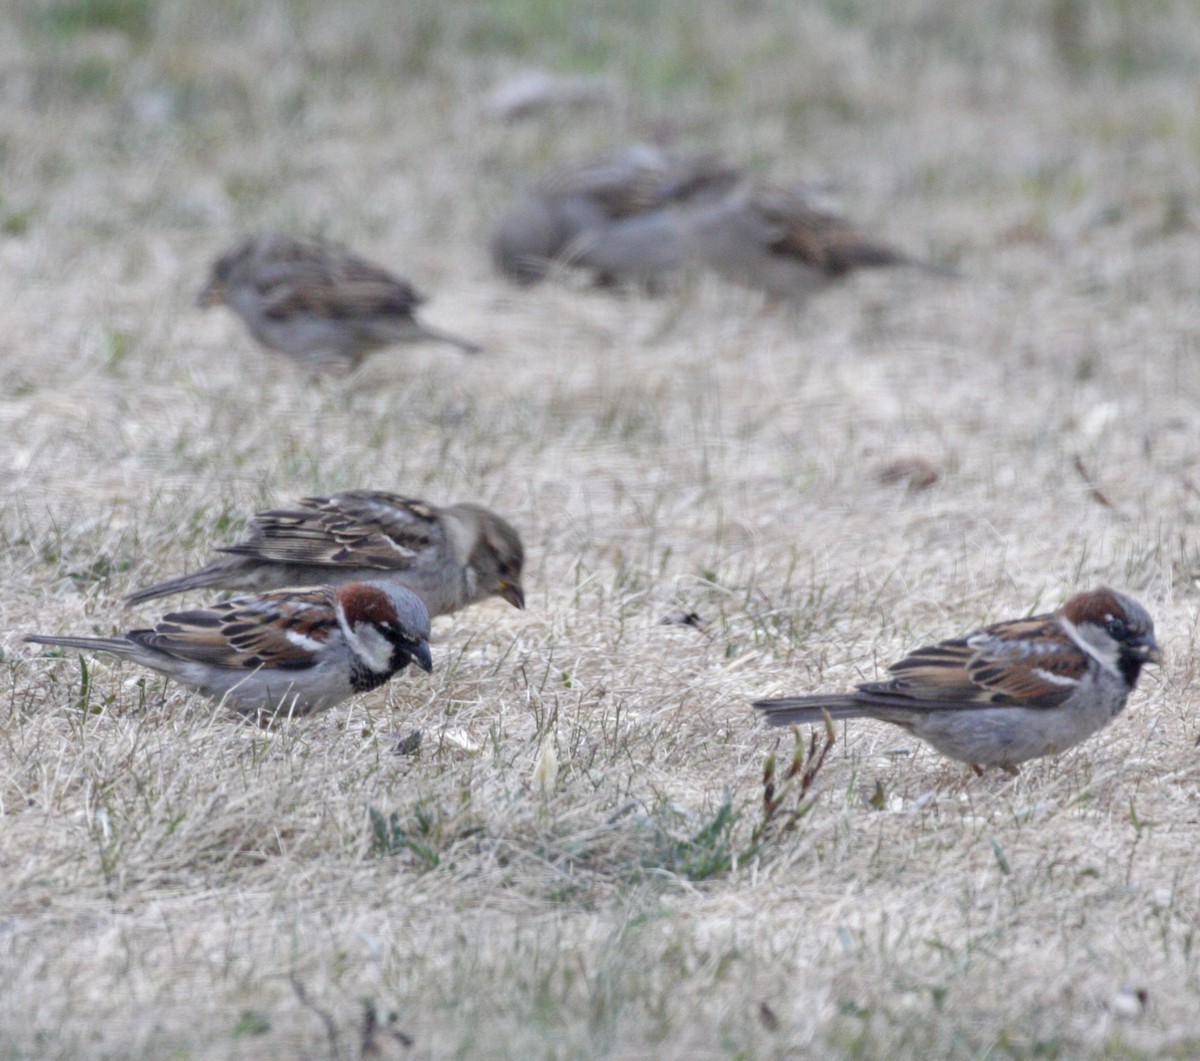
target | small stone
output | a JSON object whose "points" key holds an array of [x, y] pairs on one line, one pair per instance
{"points": [[409, 744]]}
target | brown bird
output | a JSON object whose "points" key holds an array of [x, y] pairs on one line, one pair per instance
{"points": [[1012, 691], [291, 652], [318, 303], [613, 217], [772, 238], [450, 557]]}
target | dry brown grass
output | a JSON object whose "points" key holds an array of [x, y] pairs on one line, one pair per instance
{"points": [[178, 885]]}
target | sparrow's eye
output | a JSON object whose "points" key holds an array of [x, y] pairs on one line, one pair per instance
{"points": [[1117, 629]]}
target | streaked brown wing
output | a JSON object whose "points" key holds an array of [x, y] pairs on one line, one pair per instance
{"points": [[332, 283], [344, 301], [1002, 664], [695, 175], [250, 632], [824, 241], [623, 187], [798, 231], [351, 269], [637, 196], [353, 529]]}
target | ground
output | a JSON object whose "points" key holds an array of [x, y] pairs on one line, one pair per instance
{"points": [[577, 860]]}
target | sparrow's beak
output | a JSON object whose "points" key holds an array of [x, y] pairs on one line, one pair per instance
{"points": [[421, 656], [1148, 652], [511, 592], [212, 295]]}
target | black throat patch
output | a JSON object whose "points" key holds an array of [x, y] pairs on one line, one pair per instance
{"points": [[363, 679], [1130, 666]]}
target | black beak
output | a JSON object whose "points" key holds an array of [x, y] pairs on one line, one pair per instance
{"points": [[1147, 651], [421, 656], [511, 592]]}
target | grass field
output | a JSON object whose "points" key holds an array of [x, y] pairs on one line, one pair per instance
{"points": [[577, 861]]}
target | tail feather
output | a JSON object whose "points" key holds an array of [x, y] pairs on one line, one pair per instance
{"points": [[439, 336], [805, 710], [865, 256], [118, 646], [946, 272], [204, 578]]}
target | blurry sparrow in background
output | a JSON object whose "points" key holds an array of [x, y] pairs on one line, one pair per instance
{"points": [[318, 303]]}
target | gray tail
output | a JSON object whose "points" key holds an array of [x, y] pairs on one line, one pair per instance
{"points": [[118, 646], [878, 255], [866, 256], [946, 272], [208, 576], [805, 710], [453, 340]]}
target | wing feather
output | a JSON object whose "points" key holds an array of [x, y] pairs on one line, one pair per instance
{"points": [[1026, 661], [354, 529], [824, 241], [248, 632], [335, 286]]}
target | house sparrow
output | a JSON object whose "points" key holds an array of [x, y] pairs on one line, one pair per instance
{"points": [[450, 557], [318, 303], [612, 217], [1013, 691], [772, 238], [289, 652]]}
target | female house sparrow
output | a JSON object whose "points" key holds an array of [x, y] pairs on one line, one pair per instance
{"points": [[612, 217], [1013, 691], [450, 557], [318, 303], [291, 652], [773, 239]]}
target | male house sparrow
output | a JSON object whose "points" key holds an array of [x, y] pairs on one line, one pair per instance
{"points": [[291, 652], [772, 238], [318, 303], [1012, 691], [612, 217], [450, 557]]}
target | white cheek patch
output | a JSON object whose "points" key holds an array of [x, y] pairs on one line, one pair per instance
{"points": [[366, 642], [1054, 679], [370, 646], [1104, 654]]}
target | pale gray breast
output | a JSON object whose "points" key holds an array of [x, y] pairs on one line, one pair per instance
{"points": [[642, 247], [734, 240]]}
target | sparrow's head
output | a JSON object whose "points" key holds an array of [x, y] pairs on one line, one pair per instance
{"points": [[216, 291], [386, 625], [698, 178], [1117, 628], [497, 557], [243, 262]]}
